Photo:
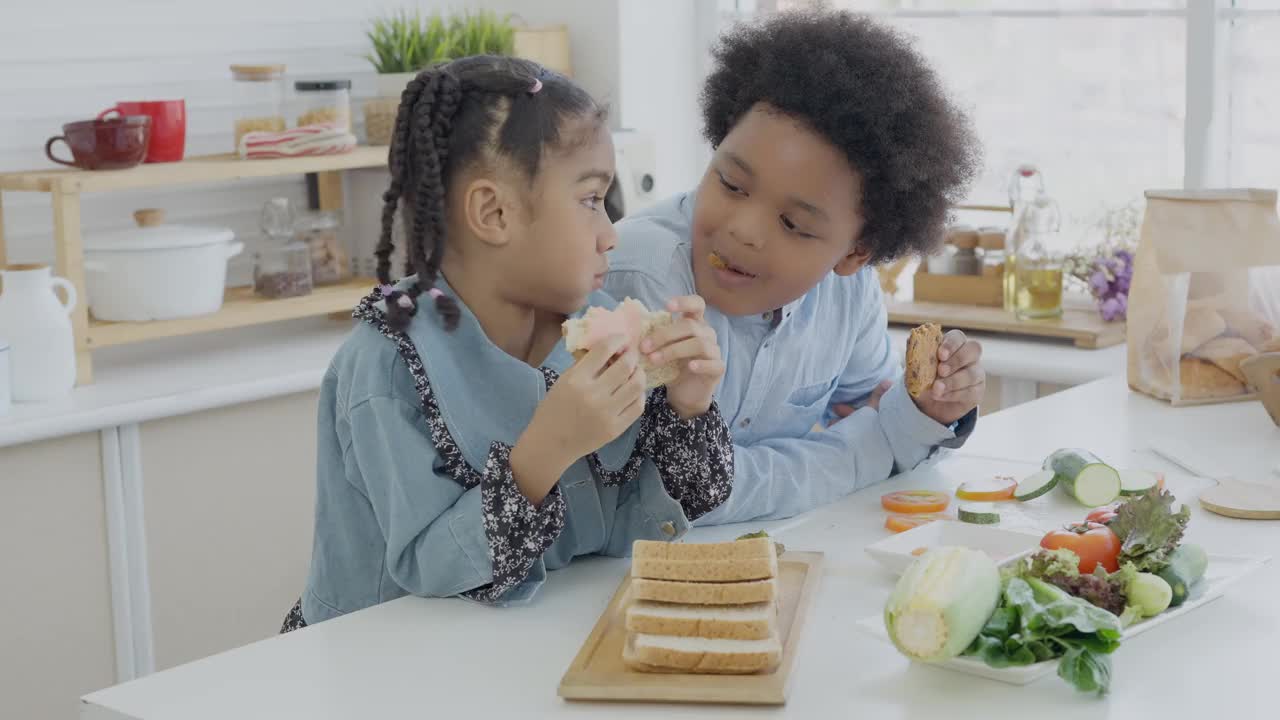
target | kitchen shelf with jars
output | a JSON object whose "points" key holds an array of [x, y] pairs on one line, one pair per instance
{"points": [[1003, 279], [239, 307]]}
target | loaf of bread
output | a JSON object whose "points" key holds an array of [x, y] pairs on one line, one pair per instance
{"points": [[703, 607]]}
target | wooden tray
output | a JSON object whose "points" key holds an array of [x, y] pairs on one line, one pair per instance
{"points": [[1083, 326], [597, 673]]}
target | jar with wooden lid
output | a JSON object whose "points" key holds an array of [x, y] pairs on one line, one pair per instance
{"points": [[966, 260], [991, 240], [259, 99]]}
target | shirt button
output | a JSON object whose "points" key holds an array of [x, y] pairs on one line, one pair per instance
{"points": [[767, 316], [667, 528], [745, 422], [766, 344]]}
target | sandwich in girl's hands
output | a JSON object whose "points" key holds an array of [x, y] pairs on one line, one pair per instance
{"points": [[632, 321]]}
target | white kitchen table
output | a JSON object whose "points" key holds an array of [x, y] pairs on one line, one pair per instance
{"points": [[417, 658]]}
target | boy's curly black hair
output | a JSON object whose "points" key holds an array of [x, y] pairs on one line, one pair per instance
{"points": [[863, 87]]}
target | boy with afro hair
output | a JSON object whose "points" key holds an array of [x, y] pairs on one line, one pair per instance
{"points": [[836, 149]]}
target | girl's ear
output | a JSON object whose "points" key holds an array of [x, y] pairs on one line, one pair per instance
{"points": [[853, 262], [487, 212]]}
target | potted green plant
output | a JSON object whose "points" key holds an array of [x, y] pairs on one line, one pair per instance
{"points": [[482, 33], [405, 43]]}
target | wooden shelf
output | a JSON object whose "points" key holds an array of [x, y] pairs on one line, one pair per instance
{"points": [[210, 168], [241, 307], [1082, 326]]}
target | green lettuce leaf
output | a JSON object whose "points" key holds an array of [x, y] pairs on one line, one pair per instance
{"points": [[1037, 621], [1149, 530]]}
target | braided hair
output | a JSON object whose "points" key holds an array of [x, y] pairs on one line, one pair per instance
{"points": [[452, 117]]}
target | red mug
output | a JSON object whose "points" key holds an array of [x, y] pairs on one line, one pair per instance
{"points": [[168, 126]]}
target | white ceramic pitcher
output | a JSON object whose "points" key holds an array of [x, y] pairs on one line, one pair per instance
{"points": [[38, 327]]}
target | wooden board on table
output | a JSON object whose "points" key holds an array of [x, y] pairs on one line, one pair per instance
{"points": [[1243, 500], [1082, 326], [598, 673]]}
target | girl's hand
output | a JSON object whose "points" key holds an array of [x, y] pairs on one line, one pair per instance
{"points": [[592, 403], [691, 342]]}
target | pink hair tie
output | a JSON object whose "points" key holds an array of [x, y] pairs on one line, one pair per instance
{"points": [[435, 293], [386, 290], [537, 85]]}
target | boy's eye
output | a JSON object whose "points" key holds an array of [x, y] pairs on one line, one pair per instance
{"points": [[728, 185], [593, 202], [791, 227]]}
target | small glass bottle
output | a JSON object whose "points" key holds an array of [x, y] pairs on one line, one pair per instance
{"points": [[282, 268], [1024, 185], [1038, 277], [259, 99]]}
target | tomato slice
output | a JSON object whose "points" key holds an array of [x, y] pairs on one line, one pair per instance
{"points": [[914, 501], [902, 523], [993, 490]]}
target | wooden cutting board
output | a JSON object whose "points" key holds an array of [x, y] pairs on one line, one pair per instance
{"points": [[1244, 500], [1082, 326], [597, 673]]}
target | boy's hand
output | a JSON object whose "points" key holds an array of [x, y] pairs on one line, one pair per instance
{"points": [[961, 380], [691, 342]]}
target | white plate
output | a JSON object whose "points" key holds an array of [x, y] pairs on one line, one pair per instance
{"points": [[894, 552], [1223, 571]]}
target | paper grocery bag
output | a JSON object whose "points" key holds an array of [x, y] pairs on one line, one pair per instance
{"points": [[1190, 323]]}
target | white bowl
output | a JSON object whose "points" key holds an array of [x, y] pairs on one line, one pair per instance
{"points": [[1004, 546]]}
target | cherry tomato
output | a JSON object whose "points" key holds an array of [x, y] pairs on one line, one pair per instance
{"points": [[1104, 514], [1095, 543], [914, 501]]}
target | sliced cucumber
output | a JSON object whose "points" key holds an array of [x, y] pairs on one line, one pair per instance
{"points": [[1038, 484], [1084, 477], [979, 513], [1137, 482]]}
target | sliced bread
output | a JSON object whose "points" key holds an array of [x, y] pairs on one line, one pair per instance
{"points": [[735, 622], [701, 593], [662, 653]]}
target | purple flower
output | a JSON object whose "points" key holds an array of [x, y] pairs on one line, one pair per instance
{"points": [[1098, 283], [1121, 284], [1114, 308], [1125, 256]]}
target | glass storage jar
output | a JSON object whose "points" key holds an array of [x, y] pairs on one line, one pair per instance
{"points": [[259, 99], [326, 103], [282, 267], [319, 231]]}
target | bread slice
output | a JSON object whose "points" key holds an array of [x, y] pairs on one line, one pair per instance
{"points": [[735, 561], [664, 653], [631, 317], [922, 358], [702, 593], [735, 622]]}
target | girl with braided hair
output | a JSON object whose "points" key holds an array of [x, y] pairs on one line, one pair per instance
{"points": [[462, 451]]}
